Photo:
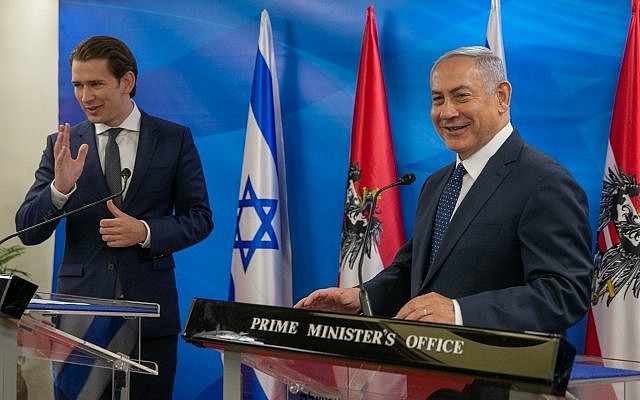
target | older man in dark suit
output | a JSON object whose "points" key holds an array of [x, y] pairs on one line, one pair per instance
{"points": [[121, 250], [501, 236]]}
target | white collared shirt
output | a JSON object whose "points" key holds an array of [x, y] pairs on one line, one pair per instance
{"points": [[476, 163], [474, 166], [127, 141]]}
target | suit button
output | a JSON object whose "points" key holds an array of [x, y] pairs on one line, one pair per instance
{"points": [[110, 266]]}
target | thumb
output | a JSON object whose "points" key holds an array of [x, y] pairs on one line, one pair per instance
{"points": [[114, 210]]}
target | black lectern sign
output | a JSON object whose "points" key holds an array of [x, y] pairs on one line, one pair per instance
{"points": [[535, 362]]}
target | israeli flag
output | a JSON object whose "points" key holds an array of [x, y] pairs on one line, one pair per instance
{"points": [[494, 33], [261, 263]]}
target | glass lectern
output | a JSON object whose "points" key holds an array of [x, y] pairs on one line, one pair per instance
{"points": [[32, 335]]}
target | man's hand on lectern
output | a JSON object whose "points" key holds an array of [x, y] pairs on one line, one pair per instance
{"points": [[342, 300]]}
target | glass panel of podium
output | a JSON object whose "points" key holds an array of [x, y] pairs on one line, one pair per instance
{"points": [[98, 319], [335, 356], [33, 335], [39, 339], [313, 377], [595, 378]]}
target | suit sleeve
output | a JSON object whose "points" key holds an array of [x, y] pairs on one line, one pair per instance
{"points": [[555, 240], [37, 205], [192, 218], [390, 289]]}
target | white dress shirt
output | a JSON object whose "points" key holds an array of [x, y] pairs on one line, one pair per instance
{"points": [[127, 141], [474, 166]]}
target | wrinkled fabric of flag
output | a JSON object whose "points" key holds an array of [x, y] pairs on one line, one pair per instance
{"points": [[613, 325], [372, 165], [261, 261], [494, 33]]}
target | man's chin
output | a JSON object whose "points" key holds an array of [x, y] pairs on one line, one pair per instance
{"points": [[457, 146], [93, 118], [455, 143]]}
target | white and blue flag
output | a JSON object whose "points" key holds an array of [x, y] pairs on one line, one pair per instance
{"points": [[494, 33], [261, 262]]}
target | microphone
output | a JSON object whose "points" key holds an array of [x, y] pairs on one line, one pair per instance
{"points": [[406, 179], [125, 174]]}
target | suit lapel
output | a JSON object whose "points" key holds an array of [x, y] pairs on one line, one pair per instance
{"points": [[92, 169], [423, 226], [146, 146], [490, 178]]}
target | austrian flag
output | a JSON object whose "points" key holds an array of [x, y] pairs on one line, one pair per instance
{"points": [[614, 318]]}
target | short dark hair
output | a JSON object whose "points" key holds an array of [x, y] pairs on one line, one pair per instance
{"points": [[117, 54]]}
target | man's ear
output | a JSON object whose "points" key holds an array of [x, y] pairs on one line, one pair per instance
{"points": [[503, 94], [128, 82]]}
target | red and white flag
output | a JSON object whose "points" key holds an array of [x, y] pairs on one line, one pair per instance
{"points": [[372, 165], [613, 326]]}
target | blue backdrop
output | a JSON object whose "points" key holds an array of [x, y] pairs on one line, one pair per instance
{"points": [[196, 61]]}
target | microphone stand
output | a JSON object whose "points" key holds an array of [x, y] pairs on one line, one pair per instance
{"points": [[365, 304], [126, 173]]}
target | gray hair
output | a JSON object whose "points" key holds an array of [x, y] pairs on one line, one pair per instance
{"points": [[490, 65]]}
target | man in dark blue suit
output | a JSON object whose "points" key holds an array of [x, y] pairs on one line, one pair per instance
{"points": [[515, 253], [121, 251]]}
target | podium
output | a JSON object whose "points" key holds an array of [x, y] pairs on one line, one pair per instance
{"points": [[15, 294], [341, 356], [28, 336]]}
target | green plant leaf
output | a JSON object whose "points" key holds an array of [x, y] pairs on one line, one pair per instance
{"points": [[7, 254]]}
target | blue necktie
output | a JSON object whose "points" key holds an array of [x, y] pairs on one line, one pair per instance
{"points": [[446, 204]]}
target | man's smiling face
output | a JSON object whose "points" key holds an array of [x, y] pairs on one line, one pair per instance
{"points": [[103, 97], [464, 113]]}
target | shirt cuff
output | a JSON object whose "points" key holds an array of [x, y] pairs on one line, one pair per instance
{"points": [[457, 312], [147, 241], [58, 198]]}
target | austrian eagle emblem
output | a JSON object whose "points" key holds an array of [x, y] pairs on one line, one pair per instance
{"points": [[617, 259]]}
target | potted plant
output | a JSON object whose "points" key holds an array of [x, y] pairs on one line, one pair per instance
{"points": [[7, 254]]}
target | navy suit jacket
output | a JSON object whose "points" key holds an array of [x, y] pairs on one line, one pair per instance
{"points": [[167, 190], [516, 254]]}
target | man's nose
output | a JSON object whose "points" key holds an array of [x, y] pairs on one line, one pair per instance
{"points": [[87, 94], [448, 110]]}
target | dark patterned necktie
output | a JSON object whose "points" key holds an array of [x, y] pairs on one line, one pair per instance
{"points": [[446, 204], [112, 165]]}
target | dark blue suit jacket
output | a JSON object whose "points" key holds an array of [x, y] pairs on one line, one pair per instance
{"points": [[167, 190], [516, 255]]}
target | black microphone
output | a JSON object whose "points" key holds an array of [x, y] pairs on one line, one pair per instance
{"points": [[125, 174], [406, 179]]}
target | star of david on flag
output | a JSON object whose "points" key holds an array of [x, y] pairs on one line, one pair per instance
{"points": [[265, 236], [261, 260]]}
